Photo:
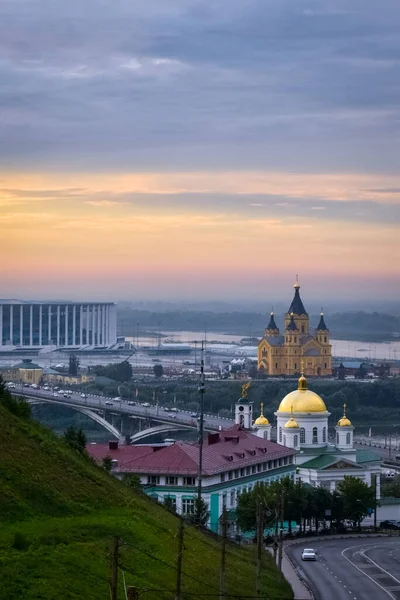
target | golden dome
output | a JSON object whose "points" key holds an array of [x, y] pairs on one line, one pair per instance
{"points": [[291, 424], [344, 421], [302, 400], [261, 419]]}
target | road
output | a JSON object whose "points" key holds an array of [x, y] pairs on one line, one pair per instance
{"points": [[180, 417], [351, 568]]}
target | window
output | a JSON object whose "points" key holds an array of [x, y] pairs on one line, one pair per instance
{"points": [[232, 498], [187, 506], [295, 366], [247, 470], [253, 468], [280, 435], [171, 480], [284, 440], [275, 464], [315, 435], [348, 438], [285, 460], [259, 468], [264, 466], [222, 477], [325, 365], [295, 441], [189, 481], [270, 464], [230, 475], [276, 365], [153, 479], [242, 472], [337, 438], [302, 435], [295, 339], [324, 434], [325, 339], [302, 329], [236, 473]]}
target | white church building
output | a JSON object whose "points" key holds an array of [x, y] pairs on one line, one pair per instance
{"points": [[302, 424]]}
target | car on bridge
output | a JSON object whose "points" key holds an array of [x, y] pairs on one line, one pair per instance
{"points": [[146, 404], [108, 402], [117, 399], [83, 396], [131, 403]]}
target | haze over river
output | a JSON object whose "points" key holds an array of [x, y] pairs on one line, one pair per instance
{"points": [[348, 348]]}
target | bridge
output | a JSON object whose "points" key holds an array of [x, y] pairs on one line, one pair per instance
{"points": [[116, 416]]}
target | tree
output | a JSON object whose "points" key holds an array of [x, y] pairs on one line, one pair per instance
{"points": [[17, 406], [119, 372], [73, 365], [107, 463], [170, 503], [76, 439], [201, 513], [158, 370], [131, 480], [358, 497]]}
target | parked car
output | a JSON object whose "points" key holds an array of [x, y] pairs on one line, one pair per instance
{"points": [[83, 396], [174, 409], [131, 403], [308, 554], [146, 404], [67, 396], [35, 386], [390, 525], [166, 409], [117, 399]]}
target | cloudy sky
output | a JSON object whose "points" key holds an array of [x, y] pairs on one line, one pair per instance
{"points": [[212, 149]]}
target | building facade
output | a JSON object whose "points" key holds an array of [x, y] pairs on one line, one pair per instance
{"points": [[24, 372], [234, 460], [282, 354], [58, 325], [302, 424]]}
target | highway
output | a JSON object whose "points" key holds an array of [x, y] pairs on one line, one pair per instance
{"points": [[351, 568], [153, 412]]}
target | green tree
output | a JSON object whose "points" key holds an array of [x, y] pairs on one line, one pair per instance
{"points": [[73, 365], [200, 515], [170, 504], [107, 463], [358, 497], [131, 480], [158, 370], [17, 406], [76, 439], [392, 488]]}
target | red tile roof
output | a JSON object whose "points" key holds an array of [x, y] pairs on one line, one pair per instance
{"points": [[223, 451]]}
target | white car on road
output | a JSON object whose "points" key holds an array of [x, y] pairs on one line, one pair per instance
{"points": [[308, 554]]}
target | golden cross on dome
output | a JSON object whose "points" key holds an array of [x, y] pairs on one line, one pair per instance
{"points": [[302, 366], [344, 409], [291, 412], [261, 409]]}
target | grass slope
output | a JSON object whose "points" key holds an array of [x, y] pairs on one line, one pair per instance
{"points": [[59, 513]]}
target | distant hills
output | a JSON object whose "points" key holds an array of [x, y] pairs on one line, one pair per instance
{"points": [[347, 325]]}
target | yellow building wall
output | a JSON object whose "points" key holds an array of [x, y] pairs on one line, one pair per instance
{"points": [[286, 359]]}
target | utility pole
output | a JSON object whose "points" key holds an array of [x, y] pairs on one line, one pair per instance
{"points": [[201, 434], [223, 555], [260, 536], [114, 569], [179, 560], [280, 552], [132, 593], [390, 446]]}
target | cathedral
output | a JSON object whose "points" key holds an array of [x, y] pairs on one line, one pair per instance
{"points": [[282, 354]]}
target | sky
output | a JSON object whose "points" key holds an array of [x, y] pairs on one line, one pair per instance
{"points": [[213, 149]]}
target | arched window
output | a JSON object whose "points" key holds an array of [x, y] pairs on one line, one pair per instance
{"points": [[280, 434], [295, 366], [348, 439], [324, 434], [295, 339], [296, 441], [302, 435], [325, 365], [276, 365], [325, 339], [315, 435], [337, 438], [302, 329]]}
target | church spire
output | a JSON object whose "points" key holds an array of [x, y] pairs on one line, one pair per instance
{"points": [[272, 326], [297, 306], [321, 325]]}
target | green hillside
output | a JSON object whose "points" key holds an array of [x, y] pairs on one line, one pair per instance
{"points": [[59, 513]]}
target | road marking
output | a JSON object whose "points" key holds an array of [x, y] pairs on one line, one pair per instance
{"points": [[361, 571]]}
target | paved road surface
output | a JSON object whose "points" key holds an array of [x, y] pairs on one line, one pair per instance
{"points": [[351, 568], [211, 422]]}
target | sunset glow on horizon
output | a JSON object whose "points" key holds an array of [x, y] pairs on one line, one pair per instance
{"points": [[137, 163]]}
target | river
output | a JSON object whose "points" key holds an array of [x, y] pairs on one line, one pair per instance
{"points": [[341, 348]]}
